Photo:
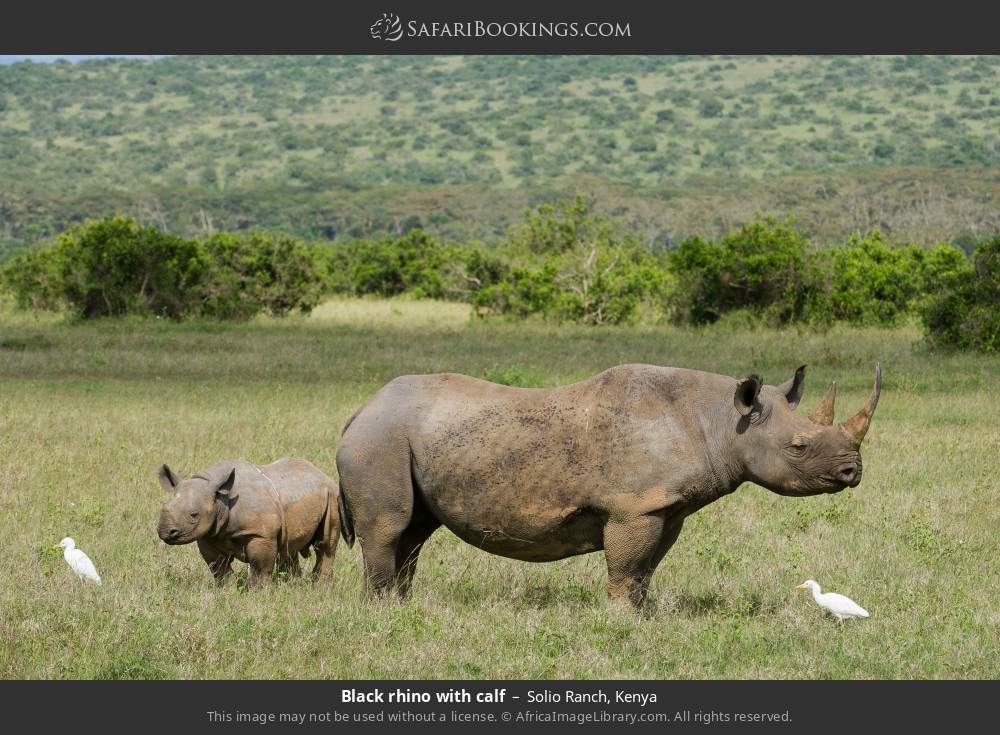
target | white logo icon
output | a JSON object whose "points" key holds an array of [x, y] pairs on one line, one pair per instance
{"points": [[387, 28]]}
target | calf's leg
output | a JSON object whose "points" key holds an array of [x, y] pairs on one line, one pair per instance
{"points": [[219, 563], [262, 554], [323, 568]]}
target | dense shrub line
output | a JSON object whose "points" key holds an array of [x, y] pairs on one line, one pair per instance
{"points": [[965, 311], [562, 262], [114, 267]]}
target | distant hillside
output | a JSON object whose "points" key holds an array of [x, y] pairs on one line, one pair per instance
{"points": [[335, 146]]}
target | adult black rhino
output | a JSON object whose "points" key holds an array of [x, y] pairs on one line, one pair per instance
{"points": [[615, 462]]}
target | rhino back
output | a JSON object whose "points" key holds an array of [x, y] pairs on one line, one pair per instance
{"points": [[303, 491]]}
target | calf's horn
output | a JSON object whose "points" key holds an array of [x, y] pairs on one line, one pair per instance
{"points": [[857, 425], [823, 413]]}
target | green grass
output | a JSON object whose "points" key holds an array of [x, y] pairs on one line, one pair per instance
{"points": [[88, 413]]}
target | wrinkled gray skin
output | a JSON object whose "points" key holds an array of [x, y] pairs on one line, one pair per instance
{"points": [[231, 511], [616, 462]]}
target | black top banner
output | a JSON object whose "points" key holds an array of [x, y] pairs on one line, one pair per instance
{"points": [[449, 27]]}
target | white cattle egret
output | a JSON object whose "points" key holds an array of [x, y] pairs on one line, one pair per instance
{"points": [[78, 561], [842, 607]]}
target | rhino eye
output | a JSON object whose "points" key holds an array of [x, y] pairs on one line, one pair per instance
{"points": [[194, 514]]}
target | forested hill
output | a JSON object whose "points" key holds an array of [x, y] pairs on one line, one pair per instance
{"points": [[340, 146]]}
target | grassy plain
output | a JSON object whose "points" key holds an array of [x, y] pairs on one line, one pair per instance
{"points": [[89, 412]]}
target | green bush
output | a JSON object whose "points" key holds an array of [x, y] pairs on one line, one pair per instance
{"points": [[572, 265], [764, 267], [415, 263], [474, 268], [553, 229], [109, 268], [608, 286], [965, 311], [521, 293], [874, 282], [34, 278], [257, 272], [115, 267]]}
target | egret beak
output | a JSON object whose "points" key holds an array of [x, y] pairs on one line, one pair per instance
{"points": [[57, 546], [800, 586]]}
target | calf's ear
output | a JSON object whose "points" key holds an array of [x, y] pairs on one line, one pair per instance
{"points": [[793, 388], [226, 485], [168, 480], [746, 394]]}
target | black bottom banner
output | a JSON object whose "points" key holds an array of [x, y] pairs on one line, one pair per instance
{"points": [[374, 706]]}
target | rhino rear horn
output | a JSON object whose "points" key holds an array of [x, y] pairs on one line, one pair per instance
{"points": [[857, 425], [823, 413]]}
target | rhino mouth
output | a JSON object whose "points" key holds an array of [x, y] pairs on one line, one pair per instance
{"points": [[836, 481], [173, 535], [826, 486]]}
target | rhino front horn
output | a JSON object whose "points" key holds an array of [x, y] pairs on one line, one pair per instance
{"points": [[857, 425]]}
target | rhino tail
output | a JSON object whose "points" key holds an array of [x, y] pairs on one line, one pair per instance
{"points": [[351, 421], [346, 521]]}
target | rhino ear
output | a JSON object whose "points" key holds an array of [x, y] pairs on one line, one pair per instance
{"points": [[168, 480], [226, 485], [746, 394], [793, 388]]}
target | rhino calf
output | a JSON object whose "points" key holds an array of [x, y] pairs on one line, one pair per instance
{"points": [[263, 516]]}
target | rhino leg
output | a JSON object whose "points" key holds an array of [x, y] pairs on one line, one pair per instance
{"points": [[633, 547], [630, 545], [221, 564], [422, 525], [380, 566], [323, 567], [376, 480], [670, 534], [262, 554]]}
